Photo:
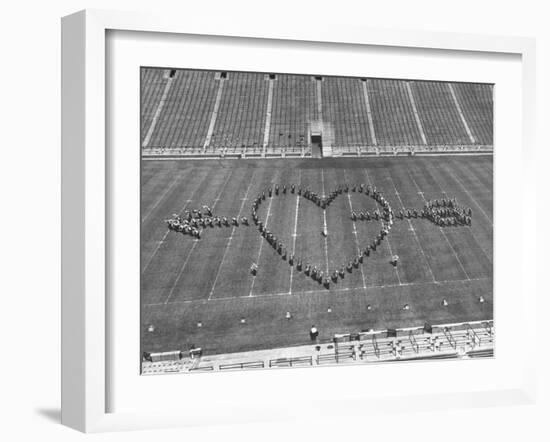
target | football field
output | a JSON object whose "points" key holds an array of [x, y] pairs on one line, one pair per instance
{"points": [[198, 292]]}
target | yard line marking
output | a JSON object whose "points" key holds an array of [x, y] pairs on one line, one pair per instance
{"points": [[180, 272], [268, 115], [151, 129], [168, 230], [369, 112], [470, 195], [459, 109], [415, 111], [160, 199], [442, 230], [412, 228], [322, 291], [195, 244], [356, 238], [261, 244], [388, 240], [325, 218], [230, 238], [214, 115], [294, 235]]}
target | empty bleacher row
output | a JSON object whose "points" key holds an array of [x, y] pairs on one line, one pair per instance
{"points": [[153, 83], [207, 113]]}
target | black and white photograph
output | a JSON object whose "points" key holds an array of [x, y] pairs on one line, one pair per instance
{"points": [[309, 220]]}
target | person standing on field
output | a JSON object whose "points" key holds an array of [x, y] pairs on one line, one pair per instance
{"points": [[313, 334]]}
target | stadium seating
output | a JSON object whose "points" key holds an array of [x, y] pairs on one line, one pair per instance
{"points": [[153, 82], [201, 113]]}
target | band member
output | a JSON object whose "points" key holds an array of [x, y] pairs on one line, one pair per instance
{"points": [[235, 222], [244, 220], [353, 216], [292, 189], [394, 260], [254, 268], [276, 189], [270, 192], [284, 190], [342, 273]]}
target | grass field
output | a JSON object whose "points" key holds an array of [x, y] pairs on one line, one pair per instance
{"points": [[185, 281]]}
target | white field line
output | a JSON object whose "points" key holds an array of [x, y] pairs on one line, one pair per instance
{"points": [[470, 195], [415, 111], [294, 235], [231, 237], [325, 218], [268, 115], [168, 230], [441, 229], [413, 230], [261, 244], [387, 238], [445, 193], [214, 115], [157, 113], [195, 243], [356, 238], [322, 291], [160, 199], [369, 112], [180, 272], [459, 109]]}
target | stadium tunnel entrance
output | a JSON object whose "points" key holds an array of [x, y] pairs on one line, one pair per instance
{"points": [[316, 145]]}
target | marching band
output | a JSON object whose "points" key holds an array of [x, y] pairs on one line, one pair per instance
{"points": [[443, 212]]}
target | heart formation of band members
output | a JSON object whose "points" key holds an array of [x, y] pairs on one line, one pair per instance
{"points": [[445, 212]]}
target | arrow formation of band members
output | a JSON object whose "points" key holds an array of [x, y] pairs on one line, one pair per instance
{"points": [[445, 212]]}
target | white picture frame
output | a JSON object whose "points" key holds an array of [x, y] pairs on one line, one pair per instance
{"points": [[85, 202]]}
